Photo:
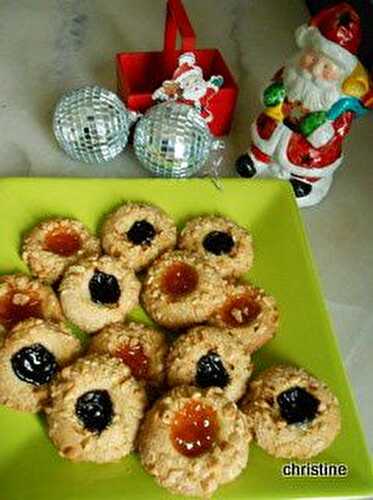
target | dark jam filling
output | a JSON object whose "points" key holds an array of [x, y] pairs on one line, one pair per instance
{"points": [[211, 371], [62, 242], [218, 243], [240, 311], [94, 409], [141, 233], [297, 406], [34, 364], [12, 310], [136, 359], [104, 288], [179, 279], [194, 429]]}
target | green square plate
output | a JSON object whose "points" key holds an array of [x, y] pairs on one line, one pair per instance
{"points": [[30, 468]]}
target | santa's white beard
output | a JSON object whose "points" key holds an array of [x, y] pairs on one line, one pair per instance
{"points": [[315, 95], [194, 92]]}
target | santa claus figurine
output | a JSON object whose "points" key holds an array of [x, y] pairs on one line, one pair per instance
{"points": [[189, 86], [309, 107]]}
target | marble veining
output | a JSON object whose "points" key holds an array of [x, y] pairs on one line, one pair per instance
{"points": [[70, 35]]}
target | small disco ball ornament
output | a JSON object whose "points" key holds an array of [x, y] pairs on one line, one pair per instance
{"points": [[173, 140], [91, 124]]}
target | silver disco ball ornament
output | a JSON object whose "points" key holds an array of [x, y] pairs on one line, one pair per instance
{"points": [[91, 124], [173, 140]]}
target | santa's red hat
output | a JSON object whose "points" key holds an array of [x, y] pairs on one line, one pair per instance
{"points": [[187, 68], [336, 32]]}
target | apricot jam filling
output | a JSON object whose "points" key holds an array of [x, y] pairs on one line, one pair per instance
{"points": [[62, 242], [18, 306], [240, 310], [194, 429], [136, 359], [179, 279]]}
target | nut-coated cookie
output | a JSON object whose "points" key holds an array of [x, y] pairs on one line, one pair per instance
{"points": [[95, 410], [97, 292], [193, 440], [249, 313], [30, 358], [141, 348], [22, 297], [292, 414], [209, 357], [181, 289], [55, 244], [227, 246], [138, 233]]}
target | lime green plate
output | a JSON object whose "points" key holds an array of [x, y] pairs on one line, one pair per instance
{"points": [[29, 465]]}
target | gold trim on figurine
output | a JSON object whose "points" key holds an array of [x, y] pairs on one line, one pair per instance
{"points": [[276, 112], [357, 84]]}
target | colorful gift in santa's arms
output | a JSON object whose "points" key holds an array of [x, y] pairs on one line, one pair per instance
{"points": [[310, 105], [140, 74]]}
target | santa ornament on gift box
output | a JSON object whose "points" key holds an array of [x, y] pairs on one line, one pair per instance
{"points": [[189, 86], [309, 107]]}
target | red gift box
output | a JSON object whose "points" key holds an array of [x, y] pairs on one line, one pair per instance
{"points": [[141, 73]]}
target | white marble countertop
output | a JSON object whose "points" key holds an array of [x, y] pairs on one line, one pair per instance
{"points": [[48, 46]]}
